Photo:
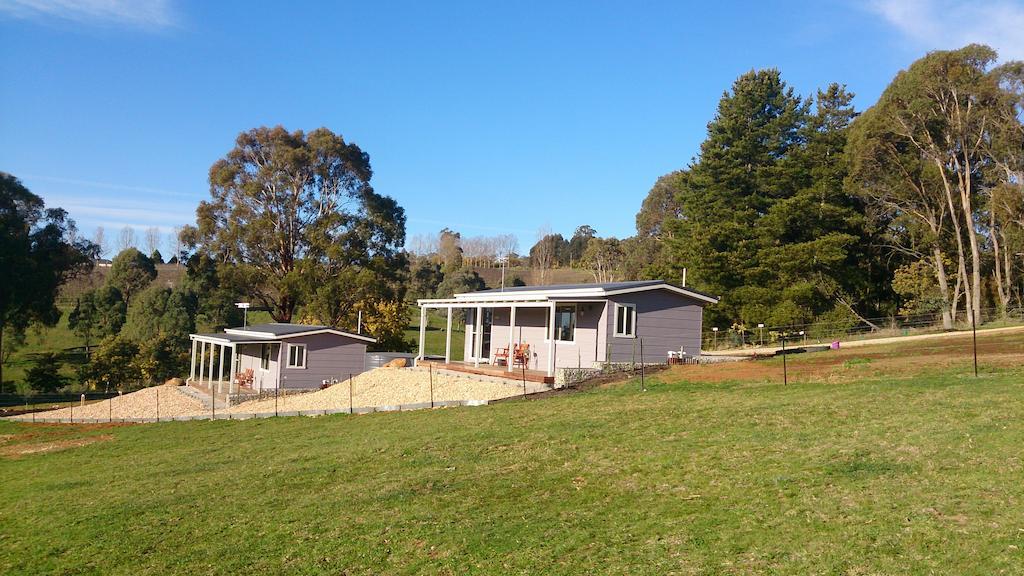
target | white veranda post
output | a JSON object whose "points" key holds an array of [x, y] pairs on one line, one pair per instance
{"points": [[202, 359], [551, 341], [209, 381], [478, 339], [233, 382], [220, 369], [511, 337], [423, 331], [192, 365], [448, 338]]}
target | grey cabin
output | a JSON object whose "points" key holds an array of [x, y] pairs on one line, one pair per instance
{"points": [[269, 356], [575, 325]]}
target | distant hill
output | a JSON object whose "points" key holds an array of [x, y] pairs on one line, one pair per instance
{"points": [[492, 276], [166, 275]]}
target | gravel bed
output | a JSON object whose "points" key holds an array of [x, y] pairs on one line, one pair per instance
{"points": [[390, 387], [139, 404]]}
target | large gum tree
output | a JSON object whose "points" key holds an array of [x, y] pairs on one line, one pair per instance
{"points": [[292, 219]]}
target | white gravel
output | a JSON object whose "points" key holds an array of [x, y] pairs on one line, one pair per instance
{"points": [[392, 387], [379, 387], [139, 404]]}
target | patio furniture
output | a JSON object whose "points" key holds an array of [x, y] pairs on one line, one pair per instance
{"points": [[521, 355], [245, 378], [501, 357]]}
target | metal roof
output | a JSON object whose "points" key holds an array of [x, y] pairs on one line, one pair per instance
{"points": [[606, 286], [539, 295], [280, 329]]}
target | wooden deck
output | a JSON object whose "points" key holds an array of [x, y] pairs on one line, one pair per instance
{"points": [[495, 371]]}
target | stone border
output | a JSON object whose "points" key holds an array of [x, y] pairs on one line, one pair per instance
{"points": [[252, 415]]}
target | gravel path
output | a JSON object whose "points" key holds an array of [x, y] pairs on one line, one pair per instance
{"points": [[391, 387], [139, 404]]}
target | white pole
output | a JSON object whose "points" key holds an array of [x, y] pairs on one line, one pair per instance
{"points": [[359, 323], [192, 365], [233, 383], [423, 331], [220, 371], [448, 338], [202, 359], [551, 342], [210, 380], [478, 343], [511, 336]]}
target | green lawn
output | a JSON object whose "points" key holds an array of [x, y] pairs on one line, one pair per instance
{"points": [[866, 472], [38, 339], [436, 324]]}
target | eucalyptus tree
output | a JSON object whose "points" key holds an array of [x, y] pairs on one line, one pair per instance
{"points": [[296, 217], [39, 251]]}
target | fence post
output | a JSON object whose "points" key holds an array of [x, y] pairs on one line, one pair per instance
{"points": [[110, 409], [643, 385], [785, 374], [351, 410], [276, 388], [430, 369], [524, 380]]}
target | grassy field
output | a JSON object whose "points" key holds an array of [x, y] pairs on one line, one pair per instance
{"points": [[436, 324], [871, 461]]}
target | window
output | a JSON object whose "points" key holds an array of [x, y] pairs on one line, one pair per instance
{"points": [[565, 323], [268, 352], [265, 356], [625, 320], [296, 355]]}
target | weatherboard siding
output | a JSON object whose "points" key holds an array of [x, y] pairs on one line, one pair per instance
{"points": [[665, 321], [328, 357]]}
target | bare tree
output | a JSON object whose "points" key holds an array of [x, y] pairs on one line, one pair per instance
{"points": [[127, 239], [424, 244], [99, 238], [506, 244], [152, 239], [543, 254], [174, 243]]}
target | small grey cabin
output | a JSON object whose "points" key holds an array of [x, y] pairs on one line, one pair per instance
{"points": [[268, 356], [576, 325]]}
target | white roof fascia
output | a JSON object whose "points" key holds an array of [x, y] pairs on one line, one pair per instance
{"points": [[269, 336], [670, 288]]}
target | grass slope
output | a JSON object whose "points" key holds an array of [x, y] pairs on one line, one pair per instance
{"points": [[873, 473]]}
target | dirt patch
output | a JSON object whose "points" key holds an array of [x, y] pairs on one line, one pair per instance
{"points": [[26, 448]]}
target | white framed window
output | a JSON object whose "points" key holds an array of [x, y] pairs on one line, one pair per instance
{"points": [[296, 355], [565, 323], [625, 320]]}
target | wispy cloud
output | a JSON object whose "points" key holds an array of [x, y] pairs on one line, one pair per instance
{"points": [[107, 185], [943, 24], [150, 14]]}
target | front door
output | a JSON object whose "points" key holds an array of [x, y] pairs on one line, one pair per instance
{"points": [[485, 350]]}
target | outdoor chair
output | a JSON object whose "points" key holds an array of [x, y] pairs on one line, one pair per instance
{"points": [[501, 357], [245, 378], [521, 355]]}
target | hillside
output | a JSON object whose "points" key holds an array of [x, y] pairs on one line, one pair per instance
{"points": [[879, 460]]}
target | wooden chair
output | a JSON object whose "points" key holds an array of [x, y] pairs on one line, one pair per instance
{"points": [[245, 378], [521, 355], [501, 357]]}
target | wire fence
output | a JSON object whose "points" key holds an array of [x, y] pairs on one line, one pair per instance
{"points": [[825, 332]]}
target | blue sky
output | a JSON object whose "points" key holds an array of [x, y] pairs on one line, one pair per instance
{"points": [[487, 117]]}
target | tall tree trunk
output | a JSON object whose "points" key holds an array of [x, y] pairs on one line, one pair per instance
{"points": [[1002, 291], [940, 274], [968, 214], [1, 357], [961, 258]]}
